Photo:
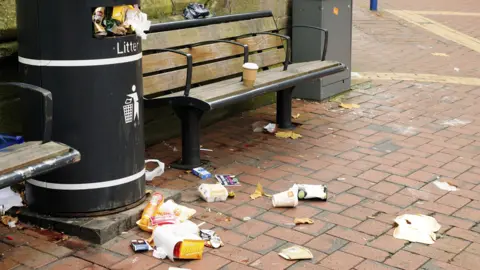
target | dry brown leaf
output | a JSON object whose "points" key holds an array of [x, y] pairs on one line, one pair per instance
{"points": [[349, 106], [303, 221], [9, 220]]}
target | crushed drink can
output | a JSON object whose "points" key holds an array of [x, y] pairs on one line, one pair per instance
{"points": [[211, 239], [306, 192]]}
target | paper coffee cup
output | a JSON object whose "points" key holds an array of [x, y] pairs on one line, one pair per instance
{"points": [[287, 198], [249, 74]]}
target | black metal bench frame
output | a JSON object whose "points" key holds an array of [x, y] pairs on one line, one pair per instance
{"points": [[48, 165], [190, 110]]}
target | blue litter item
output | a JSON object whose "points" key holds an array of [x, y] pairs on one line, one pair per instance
{"points": [[7, 140]]}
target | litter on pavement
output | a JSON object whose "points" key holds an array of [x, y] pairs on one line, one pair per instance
{"points": [[416, 228], [298, 221], [296, 253], [288, 134], [306, 192], [259, 192], [445, 186], [213, 192], [288, 198], [227, 180]]}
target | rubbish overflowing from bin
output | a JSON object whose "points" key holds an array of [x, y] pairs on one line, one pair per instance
{"points": [[120, 21]]}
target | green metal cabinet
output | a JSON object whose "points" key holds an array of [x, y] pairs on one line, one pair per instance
{"points": [[307, 44]]}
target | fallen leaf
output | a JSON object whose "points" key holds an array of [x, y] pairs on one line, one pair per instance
{"points": [[296, 116], [349, 105], [228, 219], [231, 194], [440, 54], [259, 192], [288, 134], [302, 221]]}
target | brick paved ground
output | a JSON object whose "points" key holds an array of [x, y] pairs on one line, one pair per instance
{"points": [[378, 161]]}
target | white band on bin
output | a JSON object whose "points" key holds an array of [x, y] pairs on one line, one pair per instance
{"points": [[80, 63], [86, 186]]}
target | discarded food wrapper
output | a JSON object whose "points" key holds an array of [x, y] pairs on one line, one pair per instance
{"points": [[259, 192], [416, 228], [213, 192], [202, 173], [302, 221], [296, 253], [247, 218], [139, 245], [10, 221], [149, 211], [258, 126], [444, 186], [181, 212], [227, 180], [180, 241], [270, 128], [149, 175], [97, 19], [288, 134], [163, 220], [8, 199], [306, 192], [159, 254], [287, 198], [212, 240], [349, 105]]}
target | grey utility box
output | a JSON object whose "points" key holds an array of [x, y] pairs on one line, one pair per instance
{"points": [[307, 44]]}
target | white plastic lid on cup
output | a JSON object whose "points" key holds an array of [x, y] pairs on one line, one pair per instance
{"points": [[250, 66]]}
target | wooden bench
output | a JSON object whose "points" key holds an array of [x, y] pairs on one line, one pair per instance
{"points": [[196, 66], [24, 161]]}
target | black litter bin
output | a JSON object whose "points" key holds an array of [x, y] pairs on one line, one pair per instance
{"points": [[97, 92]]}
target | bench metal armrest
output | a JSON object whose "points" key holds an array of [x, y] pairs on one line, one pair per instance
{"points": [[47, 103], [325, 41], [244, 46], [284, 37], [188, 83]]}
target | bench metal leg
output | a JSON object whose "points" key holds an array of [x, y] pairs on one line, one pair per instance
{"points": [[190, 118], [284, 109]]}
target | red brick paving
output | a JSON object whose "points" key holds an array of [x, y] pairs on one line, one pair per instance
{"points": [[378, 162]]}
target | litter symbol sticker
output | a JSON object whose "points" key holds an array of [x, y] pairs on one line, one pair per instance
{"points": [[335, 11], [131, 109]]}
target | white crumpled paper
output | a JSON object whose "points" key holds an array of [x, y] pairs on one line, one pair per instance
{"points": [[8, 199], [138, 21], [416, 228]]}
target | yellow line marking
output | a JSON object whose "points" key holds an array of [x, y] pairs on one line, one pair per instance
{"points": [[419, 78], [438, 29], [450, 13]]}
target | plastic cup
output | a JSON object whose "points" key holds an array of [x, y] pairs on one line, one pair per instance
{"points": [[249, 74], [287, 198]]}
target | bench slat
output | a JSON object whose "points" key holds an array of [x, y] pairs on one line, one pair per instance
{"points": [[167, 60], [231, 87], [174, 79], [11, 149], [30, 155], [182, 37]]}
